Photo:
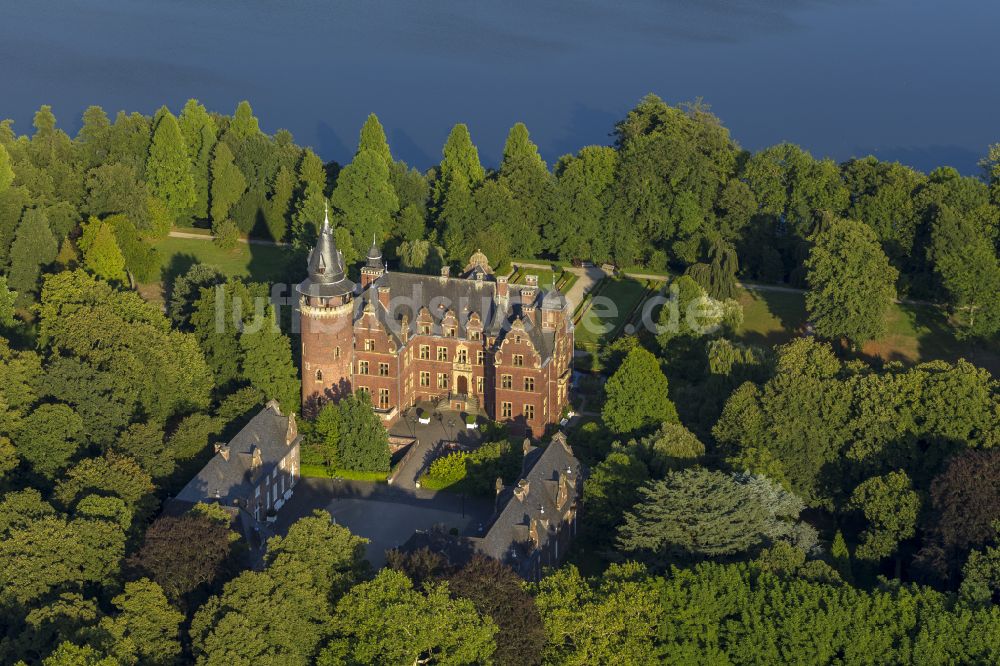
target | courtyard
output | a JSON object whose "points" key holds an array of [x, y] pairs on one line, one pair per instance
{"points": [[387, 514], [384, 514]]}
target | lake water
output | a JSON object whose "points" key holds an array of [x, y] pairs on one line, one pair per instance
{"points": [[914, 80]]}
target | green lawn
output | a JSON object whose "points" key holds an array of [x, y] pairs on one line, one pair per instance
{"points": [[323, 472], [771, 317], [603, 319], [915, 333], [544, 276], [264, 263]]}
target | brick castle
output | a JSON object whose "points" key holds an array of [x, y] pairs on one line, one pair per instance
{"points": [[473, 342]]}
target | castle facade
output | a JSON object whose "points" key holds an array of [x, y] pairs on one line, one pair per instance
{"points": [[471, 342]]}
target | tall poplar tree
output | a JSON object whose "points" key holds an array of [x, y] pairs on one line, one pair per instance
{"points": [[228, 183], [199, 131], [168, 169], [311, 203], [278, 205], [6, 171], [34, 247]]}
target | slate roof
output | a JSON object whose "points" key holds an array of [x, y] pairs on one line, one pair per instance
{"points": [[409, 292], [326, 268], [535, 498], [225, 481]]}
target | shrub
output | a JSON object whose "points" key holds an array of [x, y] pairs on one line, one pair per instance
{"points": [[446, 471], [226, 234]]}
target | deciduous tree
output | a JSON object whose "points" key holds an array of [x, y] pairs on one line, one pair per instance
{"points": [[891, 507], [851, 284], [637, 394]]}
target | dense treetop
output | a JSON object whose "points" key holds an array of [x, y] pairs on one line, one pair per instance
{"points": [[742, 504]]}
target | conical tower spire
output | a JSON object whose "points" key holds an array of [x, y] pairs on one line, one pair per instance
{"points": [[327, 276], [374, 254]]}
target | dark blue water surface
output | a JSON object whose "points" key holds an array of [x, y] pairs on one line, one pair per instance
{"points": [[913, 80]]}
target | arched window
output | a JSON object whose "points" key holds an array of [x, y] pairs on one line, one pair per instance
{"points": [[319, 375], [336, 352]]}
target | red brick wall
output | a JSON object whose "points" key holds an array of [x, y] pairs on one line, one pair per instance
{"points": [[405, 366], [322, 335]]}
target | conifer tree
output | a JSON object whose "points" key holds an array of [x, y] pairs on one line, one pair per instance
{"points": [[34, 247], [243, 124], [841, 556], [373, 139], [94, 137], [199, 131], [460, 167], [168, 169], [228, 183], [101, 254], [311, 204], [527, 177], [276, 213], [455, 219], [364, 199], [7, 299], [6, 171]]}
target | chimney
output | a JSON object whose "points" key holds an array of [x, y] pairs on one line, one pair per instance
{"points": [[255, 459], [502, 291], [521, 490], [383, 297], [292, 430], [528, 294], [445, 272], [531, 280], [222, 450], [525, 450]]}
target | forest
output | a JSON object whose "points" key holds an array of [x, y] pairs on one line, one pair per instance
{"points": [[744, 503]]}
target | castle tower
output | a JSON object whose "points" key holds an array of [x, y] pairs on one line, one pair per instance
{"points": [[326, 304], [373, 268]]}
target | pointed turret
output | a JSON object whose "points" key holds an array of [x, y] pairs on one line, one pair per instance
{"points": [[373, 268], [374, 255], [326, 267]]}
